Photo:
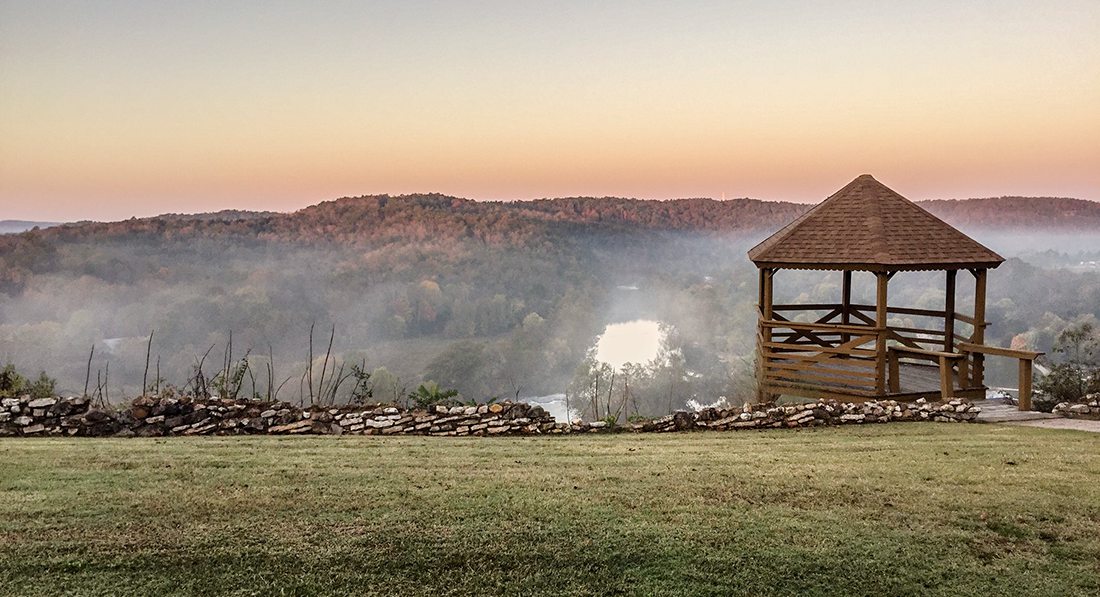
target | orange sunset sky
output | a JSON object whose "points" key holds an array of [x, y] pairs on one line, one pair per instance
{"points": [[110, 109]]}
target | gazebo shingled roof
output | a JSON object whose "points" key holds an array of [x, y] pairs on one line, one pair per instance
{"points": [[867, 226]]}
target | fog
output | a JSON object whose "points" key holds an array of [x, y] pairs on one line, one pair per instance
{"points": [[525, 321]]}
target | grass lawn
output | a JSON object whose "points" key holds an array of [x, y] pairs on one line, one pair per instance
{"points": [[900, 509]]}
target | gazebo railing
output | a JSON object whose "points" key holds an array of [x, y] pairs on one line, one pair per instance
{"points": [[826, 357], [915, 336], [838, 351]]}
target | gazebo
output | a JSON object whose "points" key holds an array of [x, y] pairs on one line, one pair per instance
{"points": [[855, 352]]}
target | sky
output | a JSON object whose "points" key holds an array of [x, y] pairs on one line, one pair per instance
{"points": [[112, 109]]}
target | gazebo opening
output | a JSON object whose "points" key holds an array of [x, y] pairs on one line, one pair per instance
{"points": [[848, 349]]}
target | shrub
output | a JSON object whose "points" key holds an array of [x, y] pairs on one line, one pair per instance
{"points": [[429, 393]]}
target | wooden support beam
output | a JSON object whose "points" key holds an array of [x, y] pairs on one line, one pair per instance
{"points": [[932, 354], [1024, 402], [978, 371], [947, 389], [949, 312], [895, 372], [760, 291], [766, 308], [845, 301], [900, 310], [880, 325], [765, 333], [998, 351]]}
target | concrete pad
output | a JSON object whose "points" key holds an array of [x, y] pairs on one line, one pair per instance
{"points": [[995, 411], [1060, 423]]}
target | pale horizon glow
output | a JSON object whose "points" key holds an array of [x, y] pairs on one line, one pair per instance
{"points": [[114, 108]]}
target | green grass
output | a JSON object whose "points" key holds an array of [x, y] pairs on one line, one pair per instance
{"points": [[902, 509]]}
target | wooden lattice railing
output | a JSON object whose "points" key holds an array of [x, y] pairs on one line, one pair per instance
{"points": [[822, 357], [841, 350]]}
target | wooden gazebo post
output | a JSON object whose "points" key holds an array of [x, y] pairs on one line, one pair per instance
{"points": [[949, 312], [881, 329], [765, 333], [846, 303], [979, 325]]}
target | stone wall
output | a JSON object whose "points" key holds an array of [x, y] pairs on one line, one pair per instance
{"points": [[156, 417], [167, 416], [1088, 408], [823, 412], [55, 416]]}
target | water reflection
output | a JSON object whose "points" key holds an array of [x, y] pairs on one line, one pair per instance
{"points": [[637, 341]]}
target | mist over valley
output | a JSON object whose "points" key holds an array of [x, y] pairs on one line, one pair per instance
{"points": [[493, 299]]}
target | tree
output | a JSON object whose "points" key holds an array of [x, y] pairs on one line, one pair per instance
{"points": [[12, 384], [1078, 373], [43, 387]]}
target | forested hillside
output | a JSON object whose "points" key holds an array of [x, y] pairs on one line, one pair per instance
{"points": [[494, 298]]}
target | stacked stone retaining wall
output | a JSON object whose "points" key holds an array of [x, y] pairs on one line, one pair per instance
{"points": [[1087, 408], [164, 416]]}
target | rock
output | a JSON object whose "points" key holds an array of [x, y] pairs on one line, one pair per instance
{"points": [[290, 428], [34, 429], [269, 413], [495, 408], [23, 421], [149, 431], [801, 417], [42, 403], [597, 424], [1079, 409], [201, 430]]}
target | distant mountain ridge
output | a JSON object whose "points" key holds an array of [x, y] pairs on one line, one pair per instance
{"points": [[377, 219], [1013, 212]]}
